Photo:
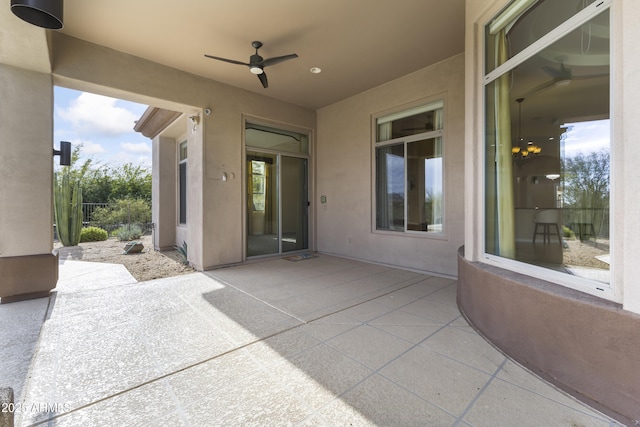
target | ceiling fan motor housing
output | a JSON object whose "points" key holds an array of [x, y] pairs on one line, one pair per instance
{"points": [[257, 63]]}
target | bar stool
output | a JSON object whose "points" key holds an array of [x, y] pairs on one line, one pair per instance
{"points": [[547, 220]]}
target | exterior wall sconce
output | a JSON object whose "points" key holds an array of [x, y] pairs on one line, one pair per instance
{"points": [[196, 121], [42, 13], [64, 152]]}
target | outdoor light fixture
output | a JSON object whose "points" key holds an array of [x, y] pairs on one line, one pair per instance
{"points": [[195, 120], [64, 153], [42, 13]]}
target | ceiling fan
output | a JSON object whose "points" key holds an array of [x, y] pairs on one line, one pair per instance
{"points": [[256, 63], [559, 77]]}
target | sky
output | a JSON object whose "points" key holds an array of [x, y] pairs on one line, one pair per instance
{"points": [[104, 127], [586, 137]]}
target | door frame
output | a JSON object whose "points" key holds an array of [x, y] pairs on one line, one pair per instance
{"points": [[311, 211]]}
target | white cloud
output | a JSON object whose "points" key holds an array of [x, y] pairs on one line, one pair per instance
{"points": [[586, 137], [89, 148], [138, 147], [135, 159], [96, 114]]}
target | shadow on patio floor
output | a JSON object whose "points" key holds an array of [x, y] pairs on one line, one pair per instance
{"points": [[325, 341]]}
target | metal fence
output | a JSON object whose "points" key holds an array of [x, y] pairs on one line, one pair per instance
{"points": [[587, 222], [89, 208], [112, 216]]}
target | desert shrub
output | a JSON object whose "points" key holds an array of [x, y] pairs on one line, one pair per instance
{"points": [[93, 234], [123, 211], [567, 232], [126, 233], [182, 252]]}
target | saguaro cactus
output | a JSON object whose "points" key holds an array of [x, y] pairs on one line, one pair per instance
{"points": [[67, 203]]}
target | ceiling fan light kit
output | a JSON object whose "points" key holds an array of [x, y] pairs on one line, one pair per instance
{"points": [[257, 63]]}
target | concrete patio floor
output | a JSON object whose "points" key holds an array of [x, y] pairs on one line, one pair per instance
{"points": [[320, 342]]}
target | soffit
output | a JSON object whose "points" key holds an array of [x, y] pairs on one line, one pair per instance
{"points": [[21, 44], [155, 120], [359, 44]]}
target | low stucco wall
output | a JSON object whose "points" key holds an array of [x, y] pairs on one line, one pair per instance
{"points": [[586, 346], [27, 277]]}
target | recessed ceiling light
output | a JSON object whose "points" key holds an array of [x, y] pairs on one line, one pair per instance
{"points": [[316, 70]]}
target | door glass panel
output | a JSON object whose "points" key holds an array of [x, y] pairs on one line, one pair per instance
{"points": [[262, 204], [294, 203]]}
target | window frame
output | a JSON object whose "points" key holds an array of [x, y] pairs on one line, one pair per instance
{"points": [[402, 112], [182, 163], [599, 289]]}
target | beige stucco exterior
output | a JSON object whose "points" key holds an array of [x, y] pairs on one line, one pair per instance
{"points": [[27, 265], [345, 159], [341, 150], [215, 230], [341, 168]]}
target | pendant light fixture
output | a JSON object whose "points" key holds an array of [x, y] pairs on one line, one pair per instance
{"points": [[520, 150], [42, 13]]}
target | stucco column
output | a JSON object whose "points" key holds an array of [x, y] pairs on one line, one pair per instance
{"points": [[28, 268], [197, 190], [626, 152], [163, 190]]}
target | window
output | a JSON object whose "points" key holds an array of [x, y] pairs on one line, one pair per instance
{"points": [[182, 183], [409, 185], [547, 136]]}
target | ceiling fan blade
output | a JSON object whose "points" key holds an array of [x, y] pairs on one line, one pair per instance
{"points": [[231, 61], [263, 80], [278, 59], [540, 88], [592, 76]]}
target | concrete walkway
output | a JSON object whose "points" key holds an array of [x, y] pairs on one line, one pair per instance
{"points": [[319, 342]]}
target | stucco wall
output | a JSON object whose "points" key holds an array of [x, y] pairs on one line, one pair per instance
{"points": [[215, 220], [27, 267], [585, 345], [345, 164], [26, 162], [163, 189]]}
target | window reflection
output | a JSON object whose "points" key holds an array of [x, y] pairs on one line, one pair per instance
{"points": [[550, 206]]}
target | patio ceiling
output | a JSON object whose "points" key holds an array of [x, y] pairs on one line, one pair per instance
{"points": [[358, 44]]}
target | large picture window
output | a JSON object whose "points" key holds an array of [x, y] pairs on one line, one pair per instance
{"points": [[409, 185], [547, 136]]}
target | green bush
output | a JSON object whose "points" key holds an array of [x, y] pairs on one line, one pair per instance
{"points": [[124, 211], [566, 232], [127, 233], [93, 234]]}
